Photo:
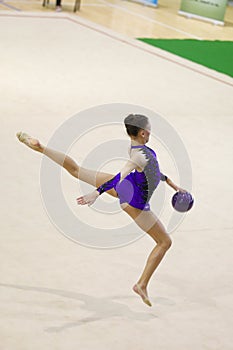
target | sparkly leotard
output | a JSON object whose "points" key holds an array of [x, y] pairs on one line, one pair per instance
{"points": [[137, 187]]}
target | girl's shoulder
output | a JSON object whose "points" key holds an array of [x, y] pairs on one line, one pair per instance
{"points": [[151, 150], [139, 156]]}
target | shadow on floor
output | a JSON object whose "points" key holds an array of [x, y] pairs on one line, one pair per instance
{"points": [[101, 307]]}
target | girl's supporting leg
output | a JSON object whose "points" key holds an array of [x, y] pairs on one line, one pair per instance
{"points": [[149, 223], [92, 177]]}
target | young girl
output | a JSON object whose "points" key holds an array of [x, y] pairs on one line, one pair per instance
{"points": [[133, 185]]}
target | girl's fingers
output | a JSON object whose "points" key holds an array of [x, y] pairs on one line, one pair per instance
{"points": [[80, 200], [84, 200]]}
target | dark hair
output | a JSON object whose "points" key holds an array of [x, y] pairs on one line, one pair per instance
{"points": [[134, 123]]}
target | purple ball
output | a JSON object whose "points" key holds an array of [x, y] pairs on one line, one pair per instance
{"points": [[182, 202]]}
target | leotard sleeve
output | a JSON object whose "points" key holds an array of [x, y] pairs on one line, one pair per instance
{"points": [[109, 184], [163, 177]]}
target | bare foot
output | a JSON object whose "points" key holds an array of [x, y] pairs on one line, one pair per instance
{"points": [[29, 141], [143, 294]]}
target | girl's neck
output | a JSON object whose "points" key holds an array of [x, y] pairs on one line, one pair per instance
{"points": [[136, 143]]}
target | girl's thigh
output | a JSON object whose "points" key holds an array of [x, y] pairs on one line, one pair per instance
{"points": [[148, 222], [96, 178]]}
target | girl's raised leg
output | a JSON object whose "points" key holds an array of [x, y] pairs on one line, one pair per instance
{"points": [[92, 177]]}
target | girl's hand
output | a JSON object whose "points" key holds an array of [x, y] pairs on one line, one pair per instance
{"points": [[181, 190], [88, 199]]}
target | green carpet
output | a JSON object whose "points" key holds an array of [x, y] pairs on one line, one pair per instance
{"points": [[217, 55]]}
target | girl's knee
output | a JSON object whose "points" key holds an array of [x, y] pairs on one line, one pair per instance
{"points": [[166, 243], [74, 171]]}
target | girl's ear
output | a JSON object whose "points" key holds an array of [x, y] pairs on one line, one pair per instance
{"points": [[141, 133]]}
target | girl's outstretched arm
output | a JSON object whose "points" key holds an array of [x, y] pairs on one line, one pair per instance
{"points": [[129, 166], [173, 185]]}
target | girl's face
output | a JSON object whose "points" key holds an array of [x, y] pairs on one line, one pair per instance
{"points": [[147, 132]]}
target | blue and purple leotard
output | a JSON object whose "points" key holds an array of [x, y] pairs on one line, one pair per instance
{"points": [[137, 187]]}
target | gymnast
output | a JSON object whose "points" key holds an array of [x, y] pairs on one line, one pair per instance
{"points": [[133, 185]]}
